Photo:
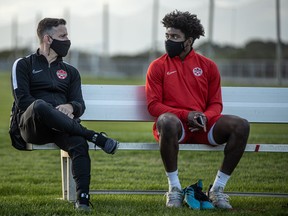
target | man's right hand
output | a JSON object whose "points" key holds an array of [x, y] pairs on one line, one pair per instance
{"points": [[67, 109], [196, 121]]}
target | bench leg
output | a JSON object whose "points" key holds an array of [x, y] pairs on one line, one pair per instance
{"points": [[68, 183]]}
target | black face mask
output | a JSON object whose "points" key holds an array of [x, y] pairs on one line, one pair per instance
{"points": [[60, 47], [174, 48]]}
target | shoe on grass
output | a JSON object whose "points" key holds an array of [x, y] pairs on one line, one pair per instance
{"points": [[189, 198], [174, 198], [108, 145], [218, 198], [195, 198], [82, 203]]}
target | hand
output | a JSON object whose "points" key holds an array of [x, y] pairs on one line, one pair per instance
{"points": [[196, 121], [67, 109]]}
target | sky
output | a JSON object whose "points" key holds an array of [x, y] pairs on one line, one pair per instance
{"points": [[130, 22]]}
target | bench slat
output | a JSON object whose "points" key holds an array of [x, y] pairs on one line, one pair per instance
{"points": [[128, 103], [115, 103], [183, 147]]}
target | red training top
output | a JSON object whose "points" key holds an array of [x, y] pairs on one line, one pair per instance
{"points": [[178, 87]]}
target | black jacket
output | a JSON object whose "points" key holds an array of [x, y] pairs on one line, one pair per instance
{"points": [[58, 83]]}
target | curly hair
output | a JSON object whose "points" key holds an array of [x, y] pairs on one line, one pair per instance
{"points": [[186, 22]]}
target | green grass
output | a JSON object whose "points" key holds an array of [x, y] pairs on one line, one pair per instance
{"points": [[30, 182]]}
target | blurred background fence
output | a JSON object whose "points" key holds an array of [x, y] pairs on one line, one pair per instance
{"points": [[237, 71]]}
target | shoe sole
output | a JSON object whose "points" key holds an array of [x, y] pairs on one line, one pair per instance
{"points": [[115, 148]]}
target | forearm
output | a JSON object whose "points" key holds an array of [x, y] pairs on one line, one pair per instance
{"points": [[78, 108], [213, 110], [157, 108]]}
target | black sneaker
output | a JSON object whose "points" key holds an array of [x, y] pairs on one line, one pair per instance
{"points": [[108, 145], [82, 203]]}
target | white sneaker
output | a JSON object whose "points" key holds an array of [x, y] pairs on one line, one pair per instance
{"points": [[174, 198], [219, 199]]}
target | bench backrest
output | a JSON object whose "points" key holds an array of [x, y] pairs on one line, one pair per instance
{"points": [[128, 103]]}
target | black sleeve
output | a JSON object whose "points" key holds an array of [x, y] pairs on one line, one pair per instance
{"points": [[20, 83], [75, 97]]}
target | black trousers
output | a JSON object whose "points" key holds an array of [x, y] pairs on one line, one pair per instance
{"points": [[41, 123]]}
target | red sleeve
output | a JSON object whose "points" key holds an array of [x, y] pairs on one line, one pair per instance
{"points": [[154, 94], [214, 104]]}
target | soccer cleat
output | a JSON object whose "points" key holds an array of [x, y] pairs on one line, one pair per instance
{"points": [[195, 198], [206, 205], [174, 198], [82, 203], [218, 198], [189, 198], [108, 145]]}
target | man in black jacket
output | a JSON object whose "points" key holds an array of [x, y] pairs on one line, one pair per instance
{"points": [[47, 93]]}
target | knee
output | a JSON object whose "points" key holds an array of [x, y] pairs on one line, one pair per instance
{"points": [[239, 128], [40, 106], [242, 127], [38, 103], [168, 123]]}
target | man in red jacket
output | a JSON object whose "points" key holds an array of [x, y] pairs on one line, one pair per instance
{"points": [[184, 94]]}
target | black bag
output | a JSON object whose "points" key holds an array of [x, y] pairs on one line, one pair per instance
{"points": [[14, 131]]}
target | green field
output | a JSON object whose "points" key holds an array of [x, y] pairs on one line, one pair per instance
{"points": [[30, 182]]}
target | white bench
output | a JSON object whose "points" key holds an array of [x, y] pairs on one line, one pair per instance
{"points": [[128, 103]]}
